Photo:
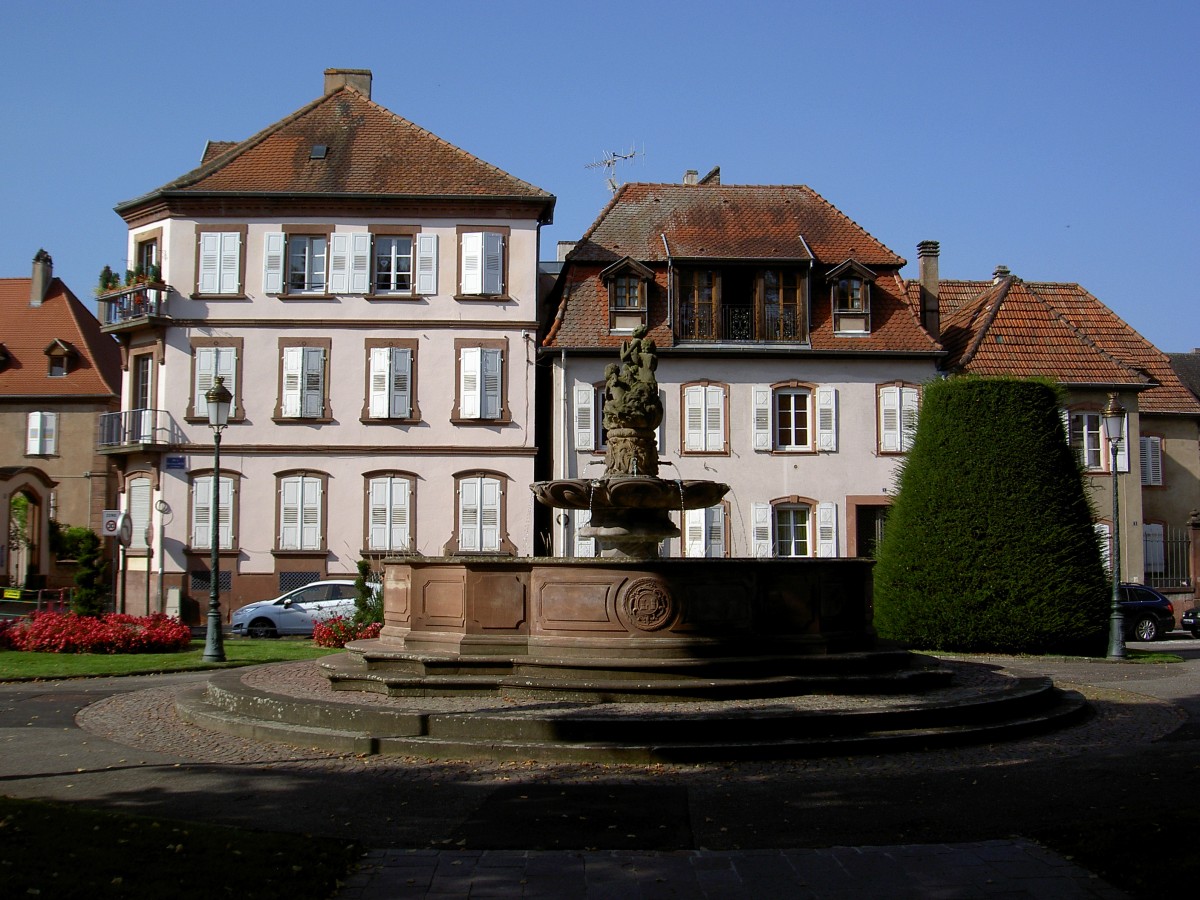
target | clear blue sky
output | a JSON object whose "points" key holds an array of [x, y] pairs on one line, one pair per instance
{"points": [[1058, 137]]}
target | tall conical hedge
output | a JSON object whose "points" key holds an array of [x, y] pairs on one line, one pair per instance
{"points": [[989, 545]]}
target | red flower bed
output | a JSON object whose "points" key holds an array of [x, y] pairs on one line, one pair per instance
{"points": [[50, 632], [339, 631]]}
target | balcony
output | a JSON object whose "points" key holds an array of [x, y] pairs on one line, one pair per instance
{"points": [[132, 307], [134, 430], [740, 324]]}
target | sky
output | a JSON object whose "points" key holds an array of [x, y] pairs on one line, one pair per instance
{"points": [[1056, 137]]}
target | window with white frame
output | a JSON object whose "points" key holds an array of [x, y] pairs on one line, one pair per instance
{"points": [[41, 434], [898, 406], [1151, 460], [704, 532], [794, 528], [1087, 439], [300, 512], [303, 383], [389, 513], [785, 416], [307, 256], [391, 371], [791, 530], [211, 363], [481, 266], [202, 490], [299, 263], [137, 505], [219, 262], [393, 265], [704, 418], [479, 514], [480, 382]]}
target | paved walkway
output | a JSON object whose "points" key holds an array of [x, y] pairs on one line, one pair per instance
{"points": [[937, 824]]}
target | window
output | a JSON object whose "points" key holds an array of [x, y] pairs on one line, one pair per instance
{"points": [[300, 263], [1086, 436], [1154, 551], [699, 301], [898, 405], [850, 289], [784, 418], [302, 394], [137, 505], [41, 434], [59, 356], [211, 361], [389, 513], [704, 532], [391, 380], [393, 265], [482, 263], [704, 418], [479, 514], [58, 366], [219, 261], [306, 264], [1151, 460], [791, 530], [202, 487], [300, 512], [481, 379], [146, 260], [785, 528], [783, 305], [627, 282]]}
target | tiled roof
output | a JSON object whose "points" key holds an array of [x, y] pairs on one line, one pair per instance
{"points": [[27, 331], [727, 221], [1056, 330], [369, 151], [1187, 367]]}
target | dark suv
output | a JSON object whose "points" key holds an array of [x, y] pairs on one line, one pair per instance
{"points": [[1148, 614]]}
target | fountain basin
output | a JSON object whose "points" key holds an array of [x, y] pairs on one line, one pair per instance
{"points": [[628, 492]]}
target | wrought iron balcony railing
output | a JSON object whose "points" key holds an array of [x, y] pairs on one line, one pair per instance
{"points": [[134, 428], [739, 323], [137, 302]]}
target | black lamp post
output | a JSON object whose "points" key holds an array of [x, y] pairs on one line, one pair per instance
{"points": [[218, 398], [1114, 430]]}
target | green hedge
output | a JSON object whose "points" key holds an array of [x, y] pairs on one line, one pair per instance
{"points": [[989, 545]]}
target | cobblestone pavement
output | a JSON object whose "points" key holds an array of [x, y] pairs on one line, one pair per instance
{"points": [[936, 824]]}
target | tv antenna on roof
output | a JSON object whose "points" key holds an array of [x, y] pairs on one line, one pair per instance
{"points": [[609, 164]]}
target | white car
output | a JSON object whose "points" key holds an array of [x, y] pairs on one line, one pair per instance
{"points": [[296, 611]]}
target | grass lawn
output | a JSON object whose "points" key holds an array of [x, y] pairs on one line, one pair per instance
{"points": [[62, 850], [18, 665]]}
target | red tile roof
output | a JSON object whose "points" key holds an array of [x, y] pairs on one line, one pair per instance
{"points": [[1056, 330], [370, 151], [28, 330]]}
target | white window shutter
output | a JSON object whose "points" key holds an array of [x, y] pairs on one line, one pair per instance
{"points": [[138, 507], [314, 382], [585, 417], [289, 514], [889, 419], [33, 434], [715, 538], [489, 514], [293, 373], [693, 412], [493, 263], [827, 529], [310, 514], [1151, 461], [377, 515], [50, 433], [714, 418], [472, 263], [827, 437], [468, 514], [400, 529], [908, 417], [693, 533], [491, 367], [225, 513], [378, 404], [231, 258], [469, 382], [761, 530], [206, 369], [427, 267], [584, 546], [274, 244], [339, 263], [1123, 447], [210, 263], [360, 262], [1104, 536], [202, 513], [762, 417], [401, 362]]}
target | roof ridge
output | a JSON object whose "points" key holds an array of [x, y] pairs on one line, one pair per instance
{"points": [[997, 300]]}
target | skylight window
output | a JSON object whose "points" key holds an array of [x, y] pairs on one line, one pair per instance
{"points": [[319, 151]]}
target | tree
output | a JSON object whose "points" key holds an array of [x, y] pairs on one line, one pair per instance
{"points": [[368, 602], [90, 597], [989, 545]]}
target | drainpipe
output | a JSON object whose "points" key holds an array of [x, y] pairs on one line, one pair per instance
{"points": [[564, 435], [670, 285]]}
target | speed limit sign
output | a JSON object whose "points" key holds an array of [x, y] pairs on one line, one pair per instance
{"points": [[118, 525]]}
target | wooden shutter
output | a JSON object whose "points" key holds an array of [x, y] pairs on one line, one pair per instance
{"points": [[693, 413], [715, 524], [585, 417], [293, 370], [33, 434], [314, 382], [401, 386], [225, 513], [491, 367], [138, 507], [1151, 460], [378, 404], [762, 417], [469, 376], [908, 417], [274, 245], [693, 533], [1104, 536], [206, 370], [1123, 447], [472, 263], [427, 268], [310, 514], [360, 262], [388, 522], [210, 263], [827, 438], [377, 514], [202, 513], [231, 259], [714, 418], [826, 529], [339, 263], [1154, 548], [584, 546], [489, 514], [401, 488], [761, 530], [889, 419], [50, 433], [493, 263], [468, 514]]}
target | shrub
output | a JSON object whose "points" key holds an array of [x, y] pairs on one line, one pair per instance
{"points": [[90, 596], [989, 545], [339, 631], [368, 603], [49, 632]]}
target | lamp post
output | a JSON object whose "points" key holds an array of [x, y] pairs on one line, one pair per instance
{"points": [[1114, 430], [218, 399]]}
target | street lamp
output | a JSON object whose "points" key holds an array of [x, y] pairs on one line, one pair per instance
{"points": [[1114, 430], [218, 399]]}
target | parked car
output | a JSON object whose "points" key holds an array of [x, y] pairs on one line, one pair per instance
{"points": [[296, 611], [1148, 614], [1191, 621]]}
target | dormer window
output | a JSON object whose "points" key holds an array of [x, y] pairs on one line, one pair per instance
{"points": [[628, 284], [850, 288], [60, 355]]}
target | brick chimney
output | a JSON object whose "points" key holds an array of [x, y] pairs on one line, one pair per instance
{"points": [[927, 268], [359, 79], [43, 273]]}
